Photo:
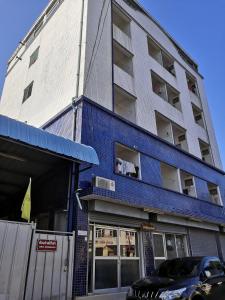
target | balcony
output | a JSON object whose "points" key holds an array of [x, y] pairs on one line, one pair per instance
{"points": [[205, 152], [164, 128], [179, 136], [171, 132], [188, 184], [214, 193], [124, 104], [195, 99], [121, 29], [122, 38], [127, 161], [165, 91], [193, 89], [170, 178], [198, 116], [123, 69], [124, 80], [161, 56]]}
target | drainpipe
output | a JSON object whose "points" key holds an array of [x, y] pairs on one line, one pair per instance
{"points": [[74, 172]]}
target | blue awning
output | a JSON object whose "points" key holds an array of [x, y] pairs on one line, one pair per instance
{"points": [[45, 141]]}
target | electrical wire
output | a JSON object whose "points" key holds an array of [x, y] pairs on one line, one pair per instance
{"points": [[94, 53]]}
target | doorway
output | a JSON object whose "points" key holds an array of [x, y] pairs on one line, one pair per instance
{"points": [[114, 258]]}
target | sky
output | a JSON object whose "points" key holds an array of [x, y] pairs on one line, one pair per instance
{"points": [[198, 26]]}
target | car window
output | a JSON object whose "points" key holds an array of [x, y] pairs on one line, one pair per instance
{"points": [[178, 268], [214, 267]]}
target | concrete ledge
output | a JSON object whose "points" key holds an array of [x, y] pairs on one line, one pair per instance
{"points": [[114, 296]]}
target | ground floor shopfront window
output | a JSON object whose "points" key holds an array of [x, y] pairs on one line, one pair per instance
{"points": [[114, 259], [168, 246]]}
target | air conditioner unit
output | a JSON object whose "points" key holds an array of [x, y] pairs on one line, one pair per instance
{"points": [[189, 190], [175, 100], [181, 138], [214, 191], [198, 117], [205, 152], [104, 183]]}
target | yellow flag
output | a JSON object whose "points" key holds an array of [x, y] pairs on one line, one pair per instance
{"points": [[26, 205]]}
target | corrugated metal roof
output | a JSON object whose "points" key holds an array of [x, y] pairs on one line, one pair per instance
{"points": [[35, 137]]}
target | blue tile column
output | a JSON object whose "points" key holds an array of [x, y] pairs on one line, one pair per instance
{"points": [[148, 253], [81, 252]]}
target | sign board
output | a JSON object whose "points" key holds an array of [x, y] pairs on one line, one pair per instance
{"points": [[147, 227], [82, 232], [46, 245]]}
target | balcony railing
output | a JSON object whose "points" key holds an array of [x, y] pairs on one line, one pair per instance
{"points": [[124, 80], [195, 99], [122, 38]]}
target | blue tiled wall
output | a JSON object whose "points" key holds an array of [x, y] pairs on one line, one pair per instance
{"points": [[101, 129], [202, 189]]}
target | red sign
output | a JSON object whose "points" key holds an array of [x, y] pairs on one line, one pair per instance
{"points": [[46, 245]]}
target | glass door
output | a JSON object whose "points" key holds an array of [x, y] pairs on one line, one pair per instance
{"points": [[129, 257], [106, 258], [113, 258]]}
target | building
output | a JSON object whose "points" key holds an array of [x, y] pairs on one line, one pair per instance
{"points": [[106, 74]]}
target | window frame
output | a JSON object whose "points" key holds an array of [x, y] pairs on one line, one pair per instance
{"points": [[117, 258], [28, 92], [34, 56], [139, 177], [163, 234]]}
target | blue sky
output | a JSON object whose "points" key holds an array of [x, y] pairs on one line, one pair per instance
{"points": [[198, 26]]}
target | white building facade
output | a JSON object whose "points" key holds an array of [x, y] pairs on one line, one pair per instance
{"points": [[108, 75], [163, 89]]}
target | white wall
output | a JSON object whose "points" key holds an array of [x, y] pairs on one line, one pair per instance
{"points": [[148, 101], [54, 73], [98, 86]]}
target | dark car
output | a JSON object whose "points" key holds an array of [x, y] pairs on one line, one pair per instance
{"points": [[189, 278]]}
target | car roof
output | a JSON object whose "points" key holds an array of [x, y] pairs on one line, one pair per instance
{"points": [[194, 258]]}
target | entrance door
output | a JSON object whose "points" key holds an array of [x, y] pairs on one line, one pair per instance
{"points": [[113, 258]]}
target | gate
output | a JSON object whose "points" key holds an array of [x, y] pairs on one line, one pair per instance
{"points": [[15, 240], [35, 264], [50, 273]]}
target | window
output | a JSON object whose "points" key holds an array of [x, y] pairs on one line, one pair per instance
{"points": [[34, 57], [127, 161], [179, 136], [27, 92], [161, 56], [115, 262], [165, 91], [192, 84], [122, 59], [121, 21], [169, 246], [171, 132], [164, 128], [187, 59], [198, 116], [124, 104], [170, 178], [188, 184], [214, 268], [205, 152], [214, 193]]}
